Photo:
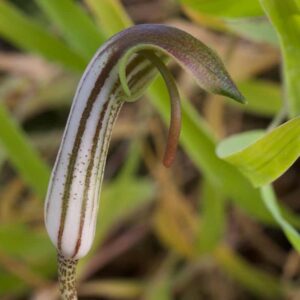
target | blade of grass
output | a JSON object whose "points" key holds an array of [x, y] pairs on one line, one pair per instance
{"points": [[22, 155], [213, 218], [29, 35], [270, 201], [109, 15], [226, 8], [284, 15], [75, 25]]}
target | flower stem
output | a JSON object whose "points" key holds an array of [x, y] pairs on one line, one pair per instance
{"points": [[67, 277]]}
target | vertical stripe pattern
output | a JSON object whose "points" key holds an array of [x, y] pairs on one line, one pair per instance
{"points": [[73, 194]]}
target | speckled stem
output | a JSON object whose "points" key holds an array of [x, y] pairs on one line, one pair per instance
{"points": [[67, 277]]}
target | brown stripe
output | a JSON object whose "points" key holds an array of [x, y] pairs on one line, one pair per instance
{"points": [[130, 68], [88, 175], [95, 92], [82, 125], [114, 112]]}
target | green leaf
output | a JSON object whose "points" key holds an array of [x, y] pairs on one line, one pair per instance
{"points": [[27, 34], [23, 156], [263, 159], [257, 29], [226, 8], [269, 199], [264, 97], [75, 25], [213, 218], [110, 15], [284, 16], [237, 142]]}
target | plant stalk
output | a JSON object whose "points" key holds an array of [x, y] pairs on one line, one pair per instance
{"points": [[67, 277]]}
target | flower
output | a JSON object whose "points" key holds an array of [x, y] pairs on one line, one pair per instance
{"points": [[120, 71]]}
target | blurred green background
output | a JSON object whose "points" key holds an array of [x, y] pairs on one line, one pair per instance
{"points": [[199, 230]]}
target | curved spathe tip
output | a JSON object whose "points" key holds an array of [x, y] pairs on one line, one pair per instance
{"points": [[233, 92]]}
